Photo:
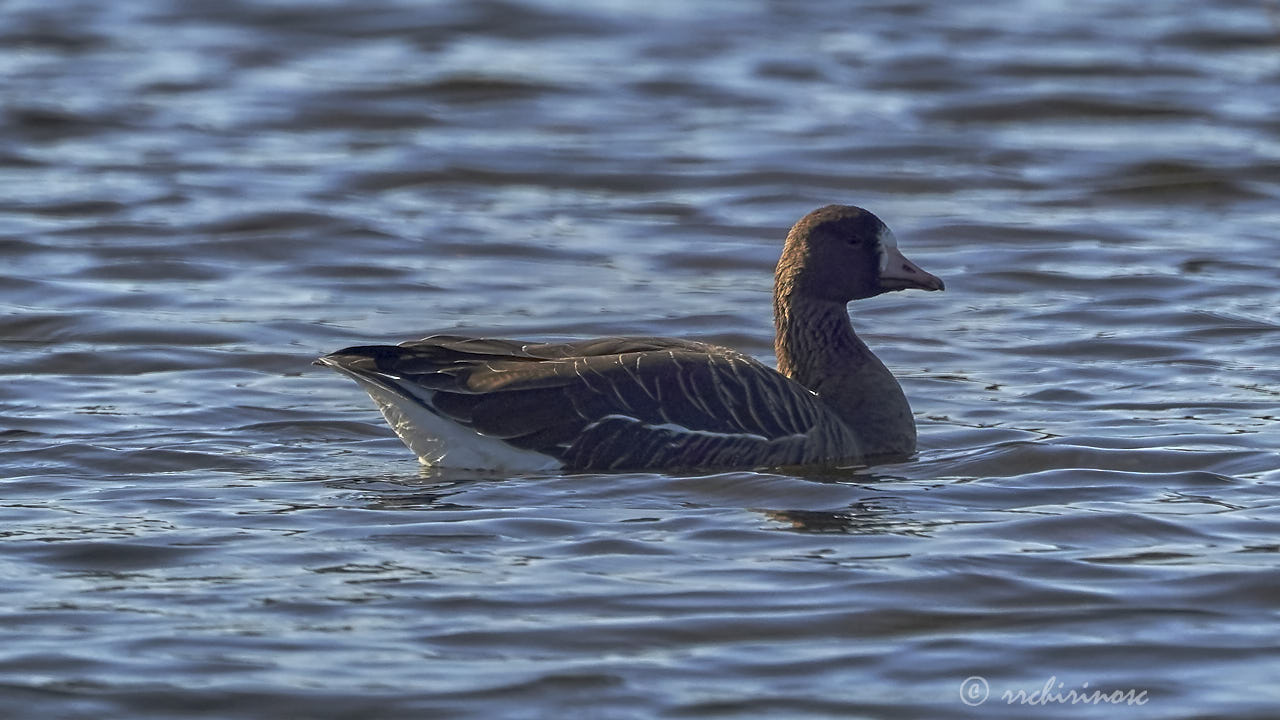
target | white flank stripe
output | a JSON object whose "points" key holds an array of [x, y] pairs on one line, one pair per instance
{"points": [[682, 430]]}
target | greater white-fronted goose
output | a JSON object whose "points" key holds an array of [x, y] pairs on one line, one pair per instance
{"points": [[646, 403]]}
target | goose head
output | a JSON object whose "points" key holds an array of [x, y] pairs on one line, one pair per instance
{"points": [[841, 253]]}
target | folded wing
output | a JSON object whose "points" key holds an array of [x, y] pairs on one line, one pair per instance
{"points": [[612, 403]]}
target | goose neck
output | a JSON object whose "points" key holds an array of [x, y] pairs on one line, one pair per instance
{"points": [[815, 340]]}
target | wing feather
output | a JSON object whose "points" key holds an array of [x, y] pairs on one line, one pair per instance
{"points": [[613, 403]]}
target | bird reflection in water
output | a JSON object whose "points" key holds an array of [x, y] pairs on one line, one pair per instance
{"points": [[867, 517]]}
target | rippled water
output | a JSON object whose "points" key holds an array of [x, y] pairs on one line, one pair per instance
{"points": [[198, 198]]}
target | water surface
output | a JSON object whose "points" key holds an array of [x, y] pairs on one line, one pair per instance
{"points": [[199, 198]]}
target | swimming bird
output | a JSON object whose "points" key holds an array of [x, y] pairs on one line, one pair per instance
{"points": [[650, 403]]}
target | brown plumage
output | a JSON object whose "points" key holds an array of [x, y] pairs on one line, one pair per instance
{"points": [[661, 403]]}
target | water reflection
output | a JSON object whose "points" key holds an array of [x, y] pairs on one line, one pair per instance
{"points": [[430, 489], [869, 517]]}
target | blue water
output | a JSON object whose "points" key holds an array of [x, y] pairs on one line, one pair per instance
{"points": [[199, 198]]}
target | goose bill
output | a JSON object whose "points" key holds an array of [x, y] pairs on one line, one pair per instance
{"points": [[899, 273]]}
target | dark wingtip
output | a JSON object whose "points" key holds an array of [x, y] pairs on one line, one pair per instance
{"points": [[350, 357]]}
